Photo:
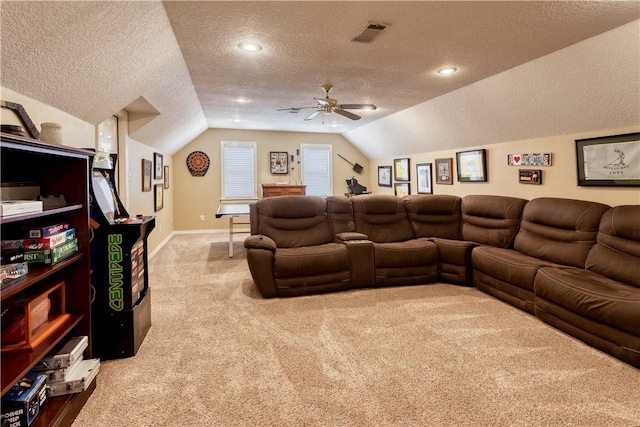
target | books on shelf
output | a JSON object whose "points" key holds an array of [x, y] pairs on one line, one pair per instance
{"points": [[15, 207]]}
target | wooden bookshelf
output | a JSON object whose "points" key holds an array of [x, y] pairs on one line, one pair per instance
{"points": [[57, 170]]}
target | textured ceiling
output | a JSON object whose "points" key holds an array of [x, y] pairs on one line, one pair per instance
{"points": [[91, 59]]}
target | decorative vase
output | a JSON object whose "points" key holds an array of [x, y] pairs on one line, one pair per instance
{"points": [[51, 132]]}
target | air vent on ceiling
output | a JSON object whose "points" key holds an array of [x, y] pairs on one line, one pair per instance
{"points": [[369, 33]]}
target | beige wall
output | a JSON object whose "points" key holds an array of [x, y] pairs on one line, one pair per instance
{"points": [[558, 180], [80, 134], [195, 196], [75, 132]]}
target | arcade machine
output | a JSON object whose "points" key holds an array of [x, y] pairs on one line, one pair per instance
{"points": [[121, 306]]}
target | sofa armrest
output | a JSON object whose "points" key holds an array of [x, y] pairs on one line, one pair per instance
{"points": [[350, 235], [260, 241]]}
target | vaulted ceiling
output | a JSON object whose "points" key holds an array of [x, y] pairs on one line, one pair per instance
{"points": [[92, 59]]}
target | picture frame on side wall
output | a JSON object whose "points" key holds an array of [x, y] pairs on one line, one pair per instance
{"points": [[158, 197], [146, 175], [443, 171], [401, 189], [609, 161], [166, 177], [279, 162], [401, 169], [384, 176], [472, 165], [157, 164], [423, 172]]}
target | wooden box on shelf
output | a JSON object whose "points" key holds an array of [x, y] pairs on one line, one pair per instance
{"points": [[29, 319]]}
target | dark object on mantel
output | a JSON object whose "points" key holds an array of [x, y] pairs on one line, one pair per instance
{"points": [[355, 188], [14, 130], [24, 119]]}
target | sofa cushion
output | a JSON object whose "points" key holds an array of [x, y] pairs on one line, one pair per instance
{"points": [[616, 253], [405, 254], [405, 263], [434, 215], [559, 230], [507, 265], [294, 221], [383, 218], [592, 296], [491, 220], [311, 260], [340, 212]]}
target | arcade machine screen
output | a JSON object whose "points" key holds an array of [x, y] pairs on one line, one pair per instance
{"points": [[103, 194]]}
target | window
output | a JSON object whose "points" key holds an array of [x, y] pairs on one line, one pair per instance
{"points": [[238, 170], [316, 169]]}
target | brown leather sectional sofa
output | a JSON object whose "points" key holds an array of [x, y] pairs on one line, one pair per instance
{"points": [[574, 264]]}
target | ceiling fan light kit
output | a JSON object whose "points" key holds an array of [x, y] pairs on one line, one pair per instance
{"points": [[328, 105]]}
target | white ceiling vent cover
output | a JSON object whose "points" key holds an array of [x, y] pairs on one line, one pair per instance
{"points": [[368, 33]]}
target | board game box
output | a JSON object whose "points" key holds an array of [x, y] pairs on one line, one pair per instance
{"points": [[52, 256], [21, 404]]}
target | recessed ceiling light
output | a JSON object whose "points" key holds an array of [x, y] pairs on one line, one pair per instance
{"points": [[241, 100], [447, 71], [250, 47]]}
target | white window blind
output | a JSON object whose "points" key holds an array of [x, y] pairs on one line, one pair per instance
{"points": [[316, 169], [238, 170]]}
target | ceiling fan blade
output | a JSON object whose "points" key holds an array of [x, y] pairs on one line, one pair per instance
{"points": [[323, 102], [313, 115], [347, 114], [294, 109], [368, 107]]}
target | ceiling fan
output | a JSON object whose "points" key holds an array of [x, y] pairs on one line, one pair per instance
{"points": [[331, 105]]}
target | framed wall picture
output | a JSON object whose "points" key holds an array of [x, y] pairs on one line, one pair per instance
{"points": [[146, 175], [610, 161], [157, 164], [401, 189], [279, 161], [401, 169], [166, 177], [423, 172], [530, 176], [472, 166], [158, 197], [443, 171], [384, 176]]}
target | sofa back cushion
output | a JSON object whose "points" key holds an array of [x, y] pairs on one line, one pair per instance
{"points": [[340, 212], [616, 253], [383, 218], [434, 215], [559, 230], [491, 220], [293, 221]]}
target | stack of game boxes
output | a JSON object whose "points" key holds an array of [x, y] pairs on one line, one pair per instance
{"points": [[66, 370], [39, 246]]}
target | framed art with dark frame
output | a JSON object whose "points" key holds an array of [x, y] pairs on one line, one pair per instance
{"points": [[158, 196], [146, 175], [157, 164], [609, 161], [401, 169], [423, 172], [443, 171], [401, 189], [384, 176], [472, 165], [279, 161], [166, 177]]}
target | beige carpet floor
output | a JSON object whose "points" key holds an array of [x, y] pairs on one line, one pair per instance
{"points": [[218, 354]]}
